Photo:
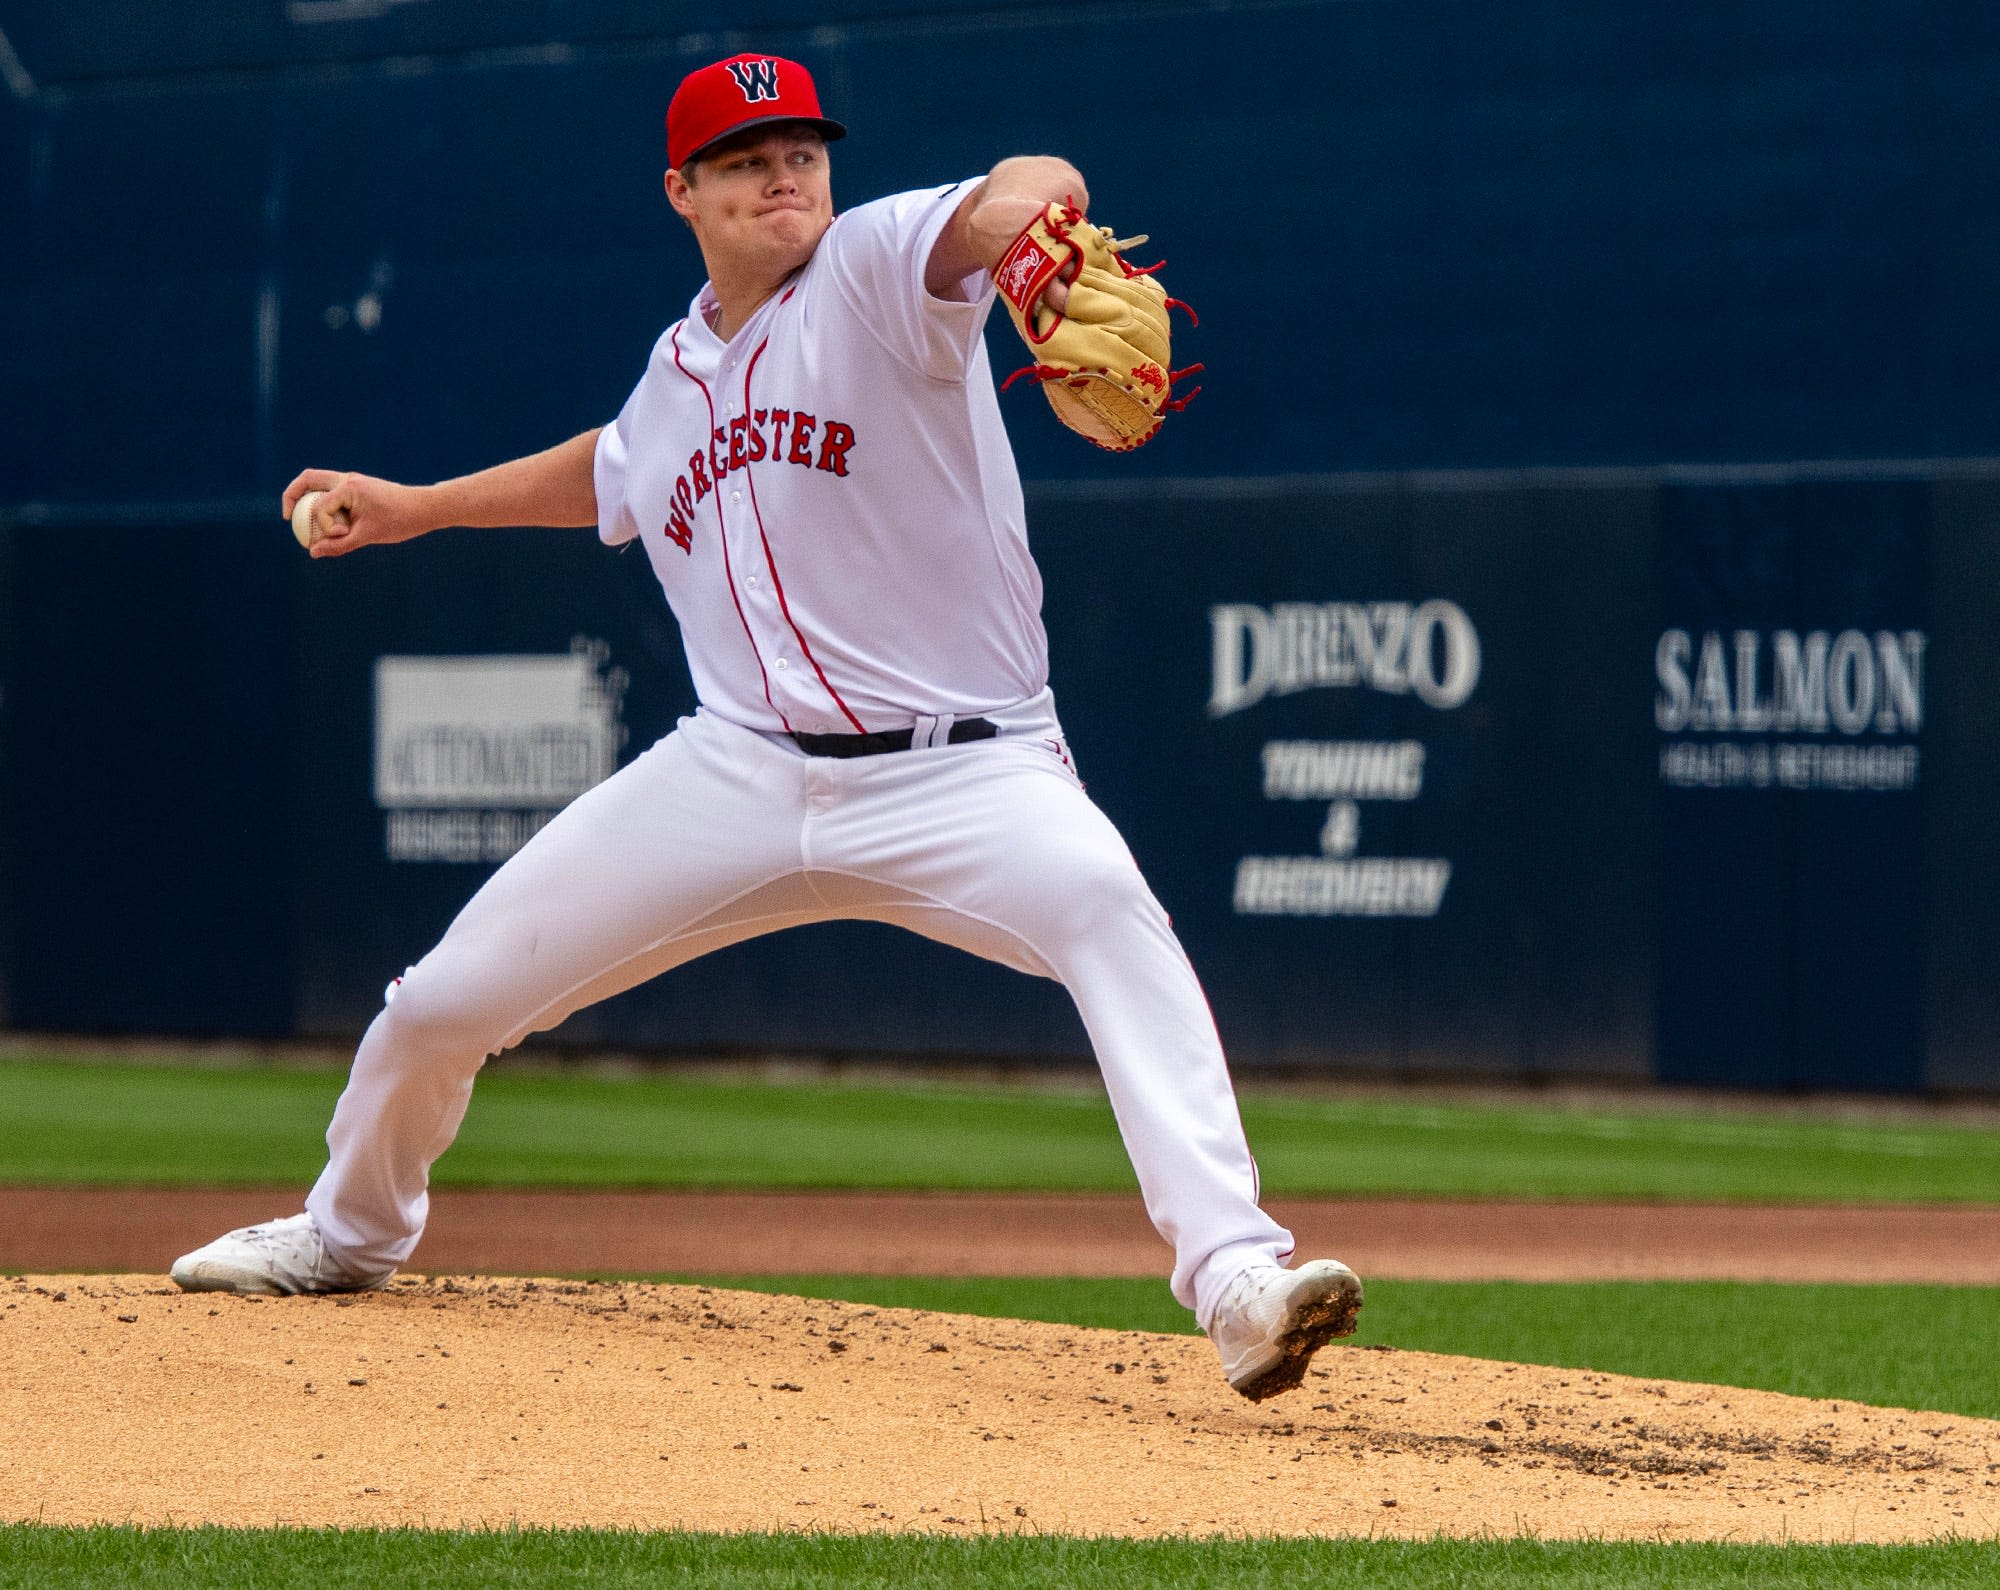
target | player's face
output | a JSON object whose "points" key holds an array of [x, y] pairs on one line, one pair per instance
{"points": [[766, 198]]}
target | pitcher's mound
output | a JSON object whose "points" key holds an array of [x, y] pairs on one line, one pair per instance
{"points": [[448, 1402]]}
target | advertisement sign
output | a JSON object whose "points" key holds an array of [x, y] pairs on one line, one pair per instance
{"points": [[474, 754], [1427, 649]]}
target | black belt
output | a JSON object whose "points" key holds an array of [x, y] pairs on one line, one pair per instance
{"points": [[888, 739]]}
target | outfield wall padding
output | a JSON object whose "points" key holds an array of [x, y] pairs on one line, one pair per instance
{"points": [[1677, 774]]}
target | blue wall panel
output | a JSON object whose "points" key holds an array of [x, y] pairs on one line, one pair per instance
{"points": [[1961, 843], [1793, 946], [148, 717]]}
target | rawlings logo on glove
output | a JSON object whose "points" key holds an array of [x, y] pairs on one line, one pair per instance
{"points": [[1103, 360]]}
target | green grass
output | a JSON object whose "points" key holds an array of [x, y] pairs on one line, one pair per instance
{"points": [[69, 1124], [1926, 1347], [108, 1557]]}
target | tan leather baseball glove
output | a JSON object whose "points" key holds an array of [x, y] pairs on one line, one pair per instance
{"points": [[1104, 359]]}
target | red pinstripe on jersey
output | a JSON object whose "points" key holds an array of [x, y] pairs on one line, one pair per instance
{"points": [[777, 584], [722, 535]]}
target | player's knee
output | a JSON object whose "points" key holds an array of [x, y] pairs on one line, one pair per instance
{"points": [[429, 1014]]}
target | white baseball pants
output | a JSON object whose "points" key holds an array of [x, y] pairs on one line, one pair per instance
{"points": [[718, 834]]}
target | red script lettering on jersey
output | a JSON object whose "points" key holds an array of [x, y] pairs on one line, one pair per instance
{"points": [[780, 435]]}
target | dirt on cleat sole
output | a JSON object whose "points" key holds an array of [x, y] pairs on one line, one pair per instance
{"points": [[1319, 1322]]}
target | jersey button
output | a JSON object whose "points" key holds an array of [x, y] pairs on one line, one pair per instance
{"points": [[736, 496], [782, 665], [751, 582]]}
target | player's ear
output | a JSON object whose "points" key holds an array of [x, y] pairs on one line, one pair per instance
{"points": [[677, 184]]}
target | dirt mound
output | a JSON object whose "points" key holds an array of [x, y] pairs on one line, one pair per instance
{"points": [[447, 1402]]}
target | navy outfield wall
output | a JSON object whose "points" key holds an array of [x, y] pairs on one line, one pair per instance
{"points": [[1543, 774], [239, 239], [1421, 235]]}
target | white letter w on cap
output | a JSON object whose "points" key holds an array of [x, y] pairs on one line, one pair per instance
{"points": [[757, 79]]}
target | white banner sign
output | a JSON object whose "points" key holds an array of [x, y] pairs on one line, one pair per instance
{"points": [[472, 754]]}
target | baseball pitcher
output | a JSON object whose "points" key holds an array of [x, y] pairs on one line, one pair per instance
{"points": [[814, 462]]}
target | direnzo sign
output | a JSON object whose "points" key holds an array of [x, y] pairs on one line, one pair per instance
{"points": [[1429, 650]]}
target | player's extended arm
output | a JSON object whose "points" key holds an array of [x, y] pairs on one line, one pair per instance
{"points": [[555, 487], [992, 215]]}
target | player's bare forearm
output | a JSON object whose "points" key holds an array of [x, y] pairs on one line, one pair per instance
{"points": [[990, 217], [554, 487]]}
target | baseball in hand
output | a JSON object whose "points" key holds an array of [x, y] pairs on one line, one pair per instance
{"points": [[305, 519]]}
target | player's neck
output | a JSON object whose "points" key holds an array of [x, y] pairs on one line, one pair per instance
{"points": [[740, 293], [747, 281]]}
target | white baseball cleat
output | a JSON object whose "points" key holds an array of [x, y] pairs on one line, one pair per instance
{"points": [[278, 1259], [1271, 1321]]}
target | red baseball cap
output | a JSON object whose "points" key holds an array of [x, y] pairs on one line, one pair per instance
{"points": [[743, 91]]}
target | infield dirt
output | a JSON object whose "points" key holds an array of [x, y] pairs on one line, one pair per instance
{"points": [[450, 1402]]}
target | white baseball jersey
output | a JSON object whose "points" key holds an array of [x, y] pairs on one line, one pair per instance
{"points": [[844, 546]]}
